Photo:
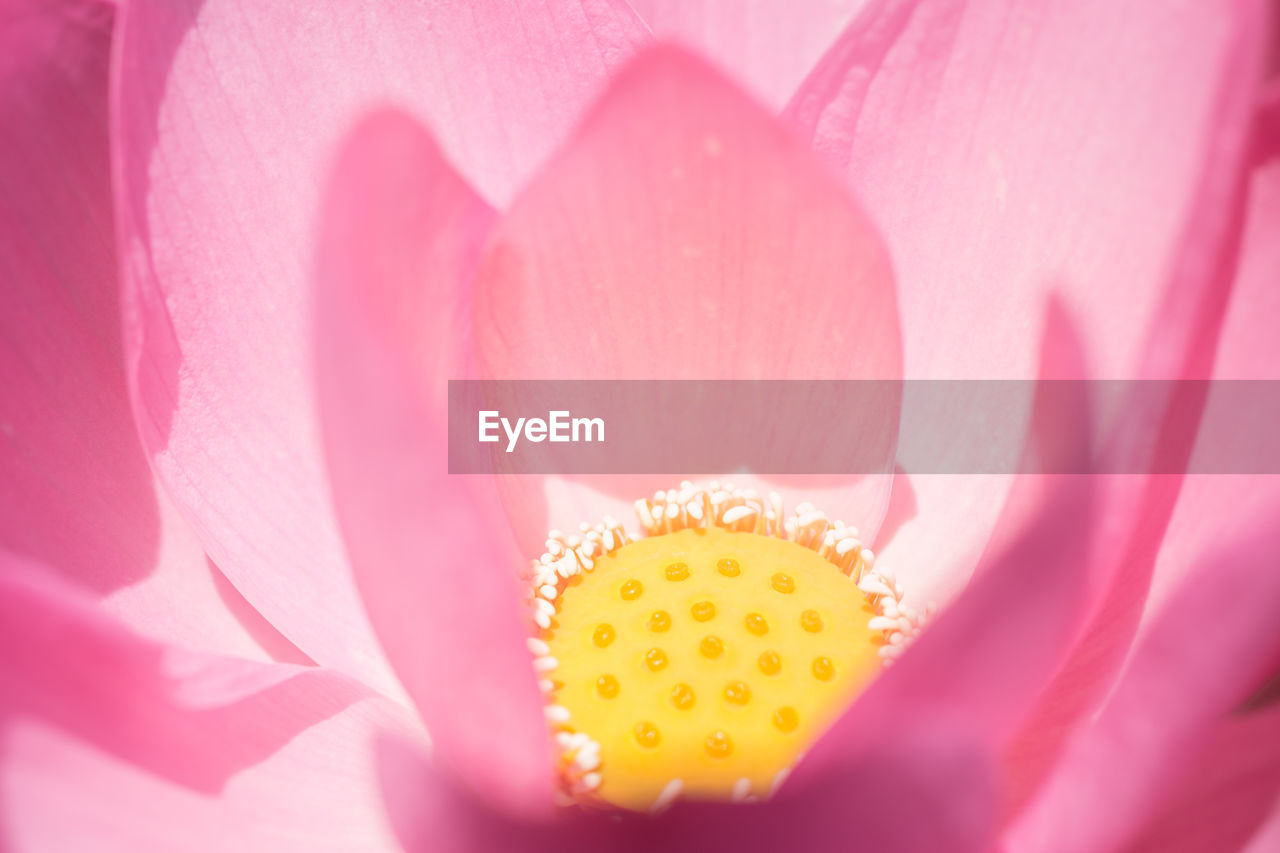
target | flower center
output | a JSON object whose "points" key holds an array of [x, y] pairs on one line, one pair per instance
{"points": [[702, 660], [709, 657]]}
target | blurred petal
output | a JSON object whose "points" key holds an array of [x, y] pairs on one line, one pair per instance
{"points": [[1267, 838], [1010, 150], [769, 46], [226, 121], [717, 244], [432, 552], [875, 802], [1197, 332], [1211, 647], [116, 743], [682, 234], [986, 657], [871, 801], [1248, 349], [76, 492], [1235, 777]]}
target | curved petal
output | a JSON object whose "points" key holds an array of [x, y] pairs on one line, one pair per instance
{"points": [[875, 797], [683, 235], [1235, 777], [111, 742], [76, 492], [1179, 681], [225, 121], [431, 552], [1009, 150], [1196, 332], [1248, 349], [1267, 838], [876, 800], [982, 663], [770, 46]]}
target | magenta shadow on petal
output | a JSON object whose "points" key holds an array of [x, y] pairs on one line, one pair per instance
{"points": [[76, 490], [154, 354], [265, 634], [68, 666]]}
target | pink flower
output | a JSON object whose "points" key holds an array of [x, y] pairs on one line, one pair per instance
{"points": [[244, 246]]}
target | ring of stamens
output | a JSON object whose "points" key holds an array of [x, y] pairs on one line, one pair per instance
{"points": [[702, 659]]}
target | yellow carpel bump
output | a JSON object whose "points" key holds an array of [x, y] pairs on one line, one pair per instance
{"points": [[703, 611], [677, 572], [737, 692], [823, 668], [786, 719], [726, 702], [719, 745], [682, 696], [784, 583], [604, 635], [756, 624], [647, 735], [769, 662]]}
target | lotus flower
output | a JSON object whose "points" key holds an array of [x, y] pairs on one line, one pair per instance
{"points": [[244, 246]]}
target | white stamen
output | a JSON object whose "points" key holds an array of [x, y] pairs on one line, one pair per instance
{"points": [[778, 780], [667, 797], [733, 516]]}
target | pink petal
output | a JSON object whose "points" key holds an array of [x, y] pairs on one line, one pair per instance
{"points": [[1235, 777], [769, 46], [76, 491], [1177, 517], [116, 743], [877, 800], [1248, 349], [872, 801], [1010, 150], [226, 121], [680, 235], [1267, 838], [677, 201], [432, 553], [984, 660], [1215, 643]]}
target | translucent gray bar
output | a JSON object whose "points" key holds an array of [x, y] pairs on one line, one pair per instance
{"points": [[864, 427]]}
